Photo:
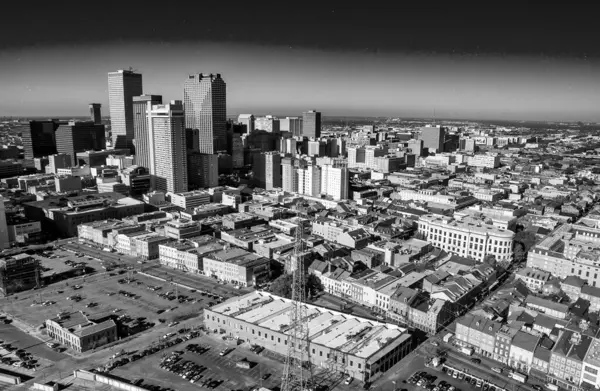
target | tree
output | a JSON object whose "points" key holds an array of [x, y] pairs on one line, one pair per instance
{"points": [[526, 238], [282, 286], [490, 259], [313, 285]]}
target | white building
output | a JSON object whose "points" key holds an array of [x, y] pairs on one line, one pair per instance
{"points": [[467, 238], [335, 181], [309, 180], [123, 85], [168, 156], [190, 199], [487, 161]]}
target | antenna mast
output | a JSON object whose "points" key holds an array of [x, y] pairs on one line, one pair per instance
{"points": [[297, 374]]}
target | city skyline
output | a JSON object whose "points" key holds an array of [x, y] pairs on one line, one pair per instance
{"points": [[511, 65]]}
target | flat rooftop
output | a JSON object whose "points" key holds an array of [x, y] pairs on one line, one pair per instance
{"points": [[332, 329]]}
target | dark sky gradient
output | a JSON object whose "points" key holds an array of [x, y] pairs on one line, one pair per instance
{"points": [[521, 61]]}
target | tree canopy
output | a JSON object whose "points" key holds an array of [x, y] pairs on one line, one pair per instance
{"points": [[282, 286]]}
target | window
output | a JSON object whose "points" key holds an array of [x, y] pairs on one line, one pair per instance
{"points": [[359, 365]]}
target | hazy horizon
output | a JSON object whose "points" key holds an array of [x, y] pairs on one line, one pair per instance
{"points": [[464, 61]]}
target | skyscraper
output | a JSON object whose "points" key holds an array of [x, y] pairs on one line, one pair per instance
{"points": [[143, 142], [80, 136], [203, 170], [267, 170], [168, 160], [123, 85], [248, 121], [205, 104], [40, 139], [96, 113], [292, 125], [311, 124], [289, 176], [309, 180], [433, 137]]}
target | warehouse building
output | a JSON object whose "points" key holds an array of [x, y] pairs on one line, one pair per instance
{"points": [[358, 347]]}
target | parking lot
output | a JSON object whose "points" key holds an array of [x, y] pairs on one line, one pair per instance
{"points": [[125, 292], [265, 369]]}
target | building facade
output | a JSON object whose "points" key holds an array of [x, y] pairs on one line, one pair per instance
{"points": [[169, 159], [206, 110], [123, 85]]}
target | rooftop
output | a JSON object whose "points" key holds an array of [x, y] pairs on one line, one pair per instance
{"points": [[332, 329]]}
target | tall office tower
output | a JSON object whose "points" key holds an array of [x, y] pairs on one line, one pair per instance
{"points": [[123, 85], [168, 159], [80, 136], [309, 180], [268, 124], [267, 170], [96, 113], [335, 179], [292, 125], [433, 137], [205, 103], [60, 160], [40, 139], [311, 124], [289, 175], [3, 226], [203, 170], [143, 142], [247, 120]]}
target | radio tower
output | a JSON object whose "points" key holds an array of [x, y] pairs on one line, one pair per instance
{"points": [[296, 377]]}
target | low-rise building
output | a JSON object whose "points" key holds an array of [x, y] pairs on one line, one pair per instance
{"points": [[75, 331], [534, 279], [19, 272], [237, 266], [339, 342]]}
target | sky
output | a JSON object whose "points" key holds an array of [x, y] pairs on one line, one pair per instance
{"points": [[471, 61]]}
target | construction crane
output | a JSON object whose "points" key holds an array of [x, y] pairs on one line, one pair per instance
{"points": [[297, 373]]}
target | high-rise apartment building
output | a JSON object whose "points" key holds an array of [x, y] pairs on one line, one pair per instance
{"points": [[96, 113], [309, 180], [143, 142], [80, 136], [335, 180], [433, 137], [267, 170], [268, 124], [311, 124], [40, 139], [292, 125], [467, 144], [205, 104], [203, 170], [289, 176], [248, 121], [123, 85], [168, 160]]}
